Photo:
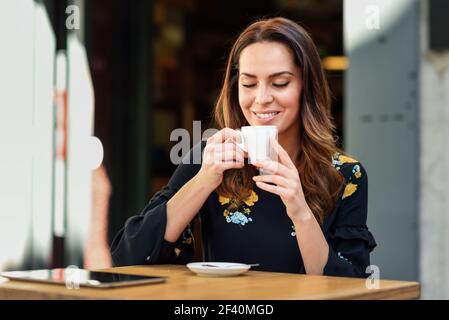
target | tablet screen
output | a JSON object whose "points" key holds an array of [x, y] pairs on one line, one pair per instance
{"points": [[74, 277]]}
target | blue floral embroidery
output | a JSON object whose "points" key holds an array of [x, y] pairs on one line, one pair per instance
{"points": [[356, 171], [238, 212], [338, 160], [238, 218]]}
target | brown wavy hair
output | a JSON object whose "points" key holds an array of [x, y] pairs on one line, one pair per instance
{"points": [[321, 182]]}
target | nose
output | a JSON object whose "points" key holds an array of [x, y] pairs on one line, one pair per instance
{"points": [[263, 96]]}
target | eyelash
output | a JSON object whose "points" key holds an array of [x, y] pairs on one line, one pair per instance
{"points": [[274, 84], [281, 85]]}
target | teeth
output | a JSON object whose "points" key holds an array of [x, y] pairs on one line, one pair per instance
{"points": [[266, 115]]}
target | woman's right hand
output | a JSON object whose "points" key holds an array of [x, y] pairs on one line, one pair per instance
{"points": [[220, 154]]}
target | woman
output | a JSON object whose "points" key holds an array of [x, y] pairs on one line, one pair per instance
{"points": [[308, 216]]}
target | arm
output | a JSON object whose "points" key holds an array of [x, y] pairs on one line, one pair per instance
{"points": [[343, 251], [141, 240], [220, 154], [188, 201], [312, 243], [96, 254], [285, 182], [156, 235], [350, 241]]}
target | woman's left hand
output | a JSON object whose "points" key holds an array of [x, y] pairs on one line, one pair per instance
{"points": [[287, 184]]}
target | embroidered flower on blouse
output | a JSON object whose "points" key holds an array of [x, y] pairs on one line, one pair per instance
{"points": [[238, 212], [349, 190], [251, 199], [223, 200], [356, 171], [293, 234], [187, 235], [341, 257], [337, 161], [345, 159], [238, 218]]}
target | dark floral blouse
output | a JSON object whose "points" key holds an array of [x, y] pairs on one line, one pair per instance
{"points": [[257, 231]]}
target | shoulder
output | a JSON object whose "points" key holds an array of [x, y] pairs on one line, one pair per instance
{"points": [[349, 167], [353, 171]]}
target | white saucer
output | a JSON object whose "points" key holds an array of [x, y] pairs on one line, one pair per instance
{"points": [[218, 269]]}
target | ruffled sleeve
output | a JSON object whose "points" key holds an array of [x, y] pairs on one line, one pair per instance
{"points": [[350, 241], [141, 240]]}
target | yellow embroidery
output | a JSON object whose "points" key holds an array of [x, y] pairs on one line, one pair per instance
{"points": [[187, 235], [349, 190], [358, 174], [251, 199], [237, 211], [345, 159], [223, 200]]}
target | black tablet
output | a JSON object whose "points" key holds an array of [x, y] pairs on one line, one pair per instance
{"points": [[74, 278]]}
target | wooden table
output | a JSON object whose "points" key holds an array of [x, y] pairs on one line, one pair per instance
{"points": [[183, 284]]}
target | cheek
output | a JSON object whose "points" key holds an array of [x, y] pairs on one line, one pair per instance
{"points": [[290, 100], [245, 100]]}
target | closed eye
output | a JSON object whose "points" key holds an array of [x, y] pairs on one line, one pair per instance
{"points": [[280, 85], [249, 85]]}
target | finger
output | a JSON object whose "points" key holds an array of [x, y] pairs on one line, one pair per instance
{"points": [[281, 154], [228, 146], [282, 192], [273, 167], [213, 147], [277, 180], [229, 155], [225, 134], [220, 157], [231, 165], [228, 152]]}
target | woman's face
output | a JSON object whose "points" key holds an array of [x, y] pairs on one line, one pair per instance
{"points": [[270, 86]]}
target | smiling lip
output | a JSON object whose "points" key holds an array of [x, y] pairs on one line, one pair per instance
{"points": [[265, 116]]}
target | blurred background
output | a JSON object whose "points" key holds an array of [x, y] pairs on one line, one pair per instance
{"points": [[91, 90]]}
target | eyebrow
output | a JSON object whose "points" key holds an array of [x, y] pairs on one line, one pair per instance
{"points": [[270, 76]]}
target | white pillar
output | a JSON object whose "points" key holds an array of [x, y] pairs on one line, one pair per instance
{"points": [[434, 167], [381, 124]]}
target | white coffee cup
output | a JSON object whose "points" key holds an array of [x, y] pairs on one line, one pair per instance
{"points": [[255, 140]]}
